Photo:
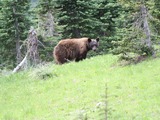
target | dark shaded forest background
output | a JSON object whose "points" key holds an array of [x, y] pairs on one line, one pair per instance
{"points": [[128, 28]]}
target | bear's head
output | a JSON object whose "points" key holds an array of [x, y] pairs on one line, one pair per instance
{"points": [[93, 44]]}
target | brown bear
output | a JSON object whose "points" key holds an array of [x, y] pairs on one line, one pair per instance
{"points": [[74, 49]]}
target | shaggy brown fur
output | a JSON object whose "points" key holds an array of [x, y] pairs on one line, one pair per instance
{"points": [[73, 49]]}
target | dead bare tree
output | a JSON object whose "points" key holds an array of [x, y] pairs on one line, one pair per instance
{"points": [[142, 23], [32, 55], [142, 29], [20, 65], [49, 24], [146, 28], [46, 25]]}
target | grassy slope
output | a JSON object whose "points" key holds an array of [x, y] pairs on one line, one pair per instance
{"points": [[76, 91]]}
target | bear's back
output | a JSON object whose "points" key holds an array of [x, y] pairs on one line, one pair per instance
{"points": [[74, 42]]}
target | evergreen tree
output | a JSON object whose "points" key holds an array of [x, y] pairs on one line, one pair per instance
{"points": [[107, 13], [13, 28], [47, 28], [135, 35], [45, 18], [76, 17], [156, 19]]}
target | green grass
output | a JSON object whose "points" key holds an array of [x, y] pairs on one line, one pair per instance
{"points": [[76, 91]]}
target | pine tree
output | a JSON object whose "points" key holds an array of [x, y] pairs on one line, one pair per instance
{"points": [[108, 11], [135, 35], [47, 28], [156, 19], [106, 14], [14, 26], [45, 15], [76, 17]]}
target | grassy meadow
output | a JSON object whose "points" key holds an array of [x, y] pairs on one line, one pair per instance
{"points": [[76, 91]]}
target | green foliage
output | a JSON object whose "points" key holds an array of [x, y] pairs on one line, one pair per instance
{"points": [[47, 29], [76, 90], [76, 16], [110, 20], [156, 20], [131, 35], [46, 50], [45, 6], [107, 14], [12, 12]]}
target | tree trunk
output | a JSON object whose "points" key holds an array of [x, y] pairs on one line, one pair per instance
{"points": [[33, 47], [20, 65], [146, 26], [17, 37], [32, 52], [46, 25], [49, 25]]}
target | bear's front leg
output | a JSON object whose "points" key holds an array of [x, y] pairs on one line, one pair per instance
{"points": [[81, 57]]}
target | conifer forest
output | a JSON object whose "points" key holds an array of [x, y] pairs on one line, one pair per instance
{"points": [[127, 28]]}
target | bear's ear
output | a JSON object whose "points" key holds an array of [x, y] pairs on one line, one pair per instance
{"points": [[89, 40], [97, 39]]}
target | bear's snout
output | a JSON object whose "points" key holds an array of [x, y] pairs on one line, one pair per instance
{"points": [[94, 48]]}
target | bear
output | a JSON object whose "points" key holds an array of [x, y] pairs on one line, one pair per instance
{"points": [[74, 49]]}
